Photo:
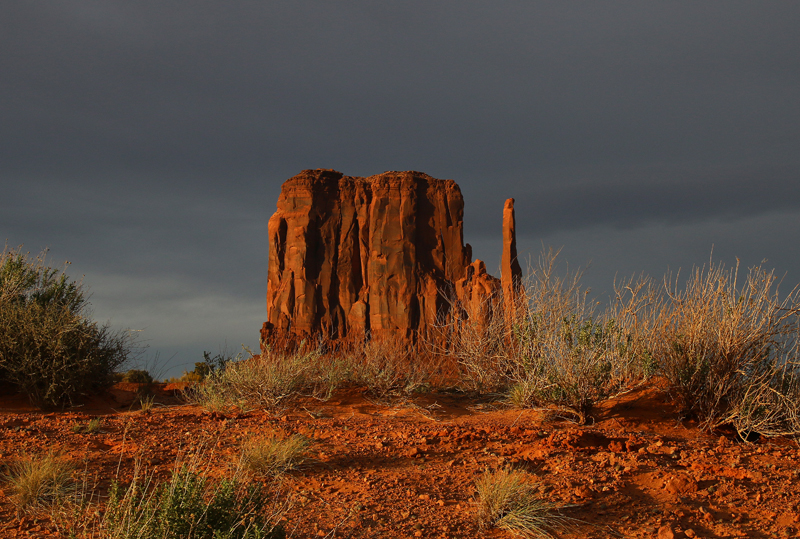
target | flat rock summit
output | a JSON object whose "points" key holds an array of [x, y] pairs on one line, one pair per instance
{"points": [[356, 258]]}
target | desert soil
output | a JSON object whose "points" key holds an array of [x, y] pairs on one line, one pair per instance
{"points": [[408, 468]]}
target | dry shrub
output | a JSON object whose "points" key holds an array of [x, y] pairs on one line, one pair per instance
{"points": [[476, 337], [555, 347], [384, 367], [560, 351], [729, 352], [389, 367], [263, 381]]}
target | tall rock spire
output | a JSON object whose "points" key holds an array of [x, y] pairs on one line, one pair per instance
{"points": [[510, 271]]}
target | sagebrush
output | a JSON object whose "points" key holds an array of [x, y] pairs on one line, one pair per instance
{"points": [[49, 347]]}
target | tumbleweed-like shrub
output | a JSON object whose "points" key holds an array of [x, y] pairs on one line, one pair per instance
{"points": [[553, 346], [729, 351]]}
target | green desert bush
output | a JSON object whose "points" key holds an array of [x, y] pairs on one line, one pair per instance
{"points": [[189, 506], [38, 481], [212, 364], [203, 369], [137, 376], [49, 348], [729, 351], [509, 500]]}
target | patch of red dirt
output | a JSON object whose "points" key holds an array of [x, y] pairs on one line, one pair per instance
{"points": [[409, 469]]}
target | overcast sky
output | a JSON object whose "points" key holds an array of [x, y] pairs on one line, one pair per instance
{"points": [[146, 142]]}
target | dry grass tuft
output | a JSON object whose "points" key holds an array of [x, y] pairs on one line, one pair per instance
{"points": [[272, 456], [508, 500], [38, 481], [146, 404]]}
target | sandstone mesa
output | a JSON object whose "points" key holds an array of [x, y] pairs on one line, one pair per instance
{"points": [[353, 258]]}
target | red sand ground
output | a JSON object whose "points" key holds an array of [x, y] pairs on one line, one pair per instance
{"points": [[409, 469]]}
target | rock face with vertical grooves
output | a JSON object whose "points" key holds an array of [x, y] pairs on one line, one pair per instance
{"points": [[352, 257]]}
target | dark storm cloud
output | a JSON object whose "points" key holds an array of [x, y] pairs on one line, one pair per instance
{"points": [[147, 141], [639, 197], [462, 87]]}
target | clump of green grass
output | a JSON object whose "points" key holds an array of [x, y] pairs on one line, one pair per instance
{"points": [[92, 426], [146, 403], [273, 456], [508, 500], [38, 481], [189, 505], [520, 394]]}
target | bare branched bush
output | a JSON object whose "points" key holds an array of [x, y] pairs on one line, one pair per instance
{"points": [[476, 337], [634, 312], [729, 352]]}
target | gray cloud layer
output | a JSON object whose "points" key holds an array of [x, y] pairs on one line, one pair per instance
{"points": [[147, 141]]}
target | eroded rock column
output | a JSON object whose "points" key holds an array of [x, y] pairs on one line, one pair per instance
{"points": [[510, 270]]}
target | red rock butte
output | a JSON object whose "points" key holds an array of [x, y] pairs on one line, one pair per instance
{"points": [[353, 258]]}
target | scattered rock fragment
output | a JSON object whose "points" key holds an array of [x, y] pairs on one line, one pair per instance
{"points": [[583, 492], [681, 485], [666, 532]]}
